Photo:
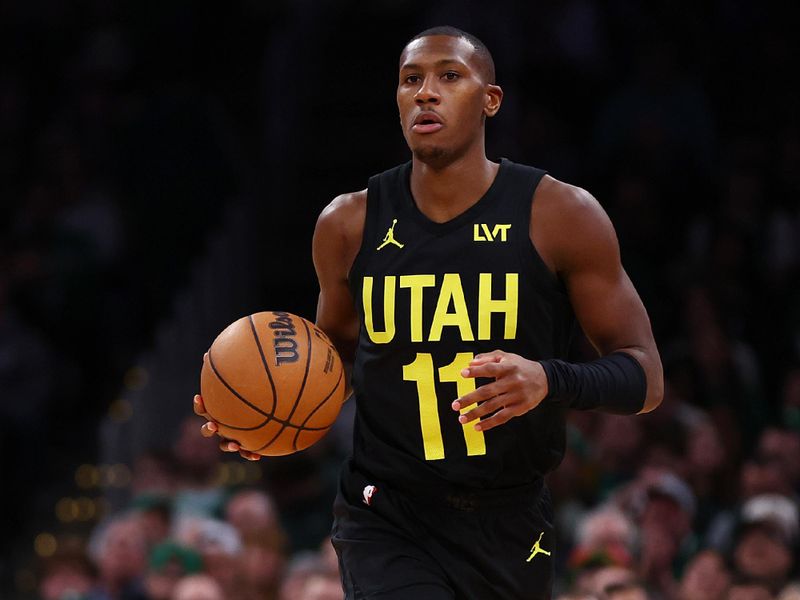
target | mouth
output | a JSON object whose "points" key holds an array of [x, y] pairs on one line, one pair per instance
{"points": [[427, 122]]}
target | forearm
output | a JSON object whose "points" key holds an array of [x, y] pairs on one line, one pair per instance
{"points": [[650, 360], [616, 383]]}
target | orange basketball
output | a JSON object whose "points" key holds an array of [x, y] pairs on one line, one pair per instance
{"points": [[273, 382]]}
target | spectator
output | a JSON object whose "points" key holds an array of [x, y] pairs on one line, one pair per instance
{"points": [[119, 552], [154, 512], [251, 510], [301, 568], [748, 590], [706, 577], [262, 563], [198, 587], [608, 581], [666, 509], [763, 552], [196, 458], [782, 447], [606, 530], [322, 587], [618, 446], [168, 563], [218, 543], [67, 574], [790, 592], [709, 471], [625, 591]]}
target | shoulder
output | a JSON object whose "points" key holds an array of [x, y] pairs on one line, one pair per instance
{"points": [[340, 227], [343, 209], [561, 202], [567, 222], [344, 216]]}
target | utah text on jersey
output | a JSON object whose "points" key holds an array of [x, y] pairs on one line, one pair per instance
{"points": [[450, 293]]}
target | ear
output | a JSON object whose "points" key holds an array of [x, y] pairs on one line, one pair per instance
{"points": [[494, 97]]}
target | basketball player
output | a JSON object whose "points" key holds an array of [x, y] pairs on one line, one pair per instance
{"points": [[452, 284]]}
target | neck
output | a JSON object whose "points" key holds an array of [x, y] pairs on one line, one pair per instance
{"points": [[443, 192]]}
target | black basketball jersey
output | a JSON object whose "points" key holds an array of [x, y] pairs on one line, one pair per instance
{"points": [[430, 297]]}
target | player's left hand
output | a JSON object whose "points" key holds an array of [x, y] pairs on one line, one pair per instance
{"points": [[519, 386], [211, 428]]}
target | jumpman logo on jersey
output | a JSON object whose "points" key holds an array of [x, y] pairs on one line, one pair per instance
{"points": [[537, 549], [389, 237]]}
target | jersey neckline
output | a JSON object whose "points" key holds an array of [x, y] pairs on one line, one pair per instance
{"points": [[468, 215]]}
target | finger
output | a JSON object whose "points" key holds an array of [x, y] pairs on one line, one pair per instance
{"points": [[498, 418], [199, 406], [249, 455], [229, 446], [488, 369], [493, 356], [483, 410], [482, 394], [209, 429]]}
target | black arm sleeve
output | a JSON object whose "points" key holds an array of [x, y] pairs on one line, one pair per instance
{"points": [[615, 384]]}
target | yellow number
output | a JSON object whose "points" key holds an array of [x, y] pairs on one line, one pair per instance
{"points": [[421, 371], [464, 385]]}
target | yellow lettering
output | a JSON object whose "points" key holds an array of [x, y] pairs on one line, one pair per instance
{"points": [[416, 283], [482, 233], [487, 305], [476, 445], [451, 290], [502, 230], [379, 337], [421, 372]]}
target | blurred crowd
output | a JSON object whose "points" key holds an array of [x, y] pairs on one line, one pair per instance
{"points": [[683, 119], [186, 535], [646, 507]]}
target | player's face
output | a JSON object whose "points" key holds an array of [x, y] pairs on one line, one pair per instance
{"points": [[443, 97]]}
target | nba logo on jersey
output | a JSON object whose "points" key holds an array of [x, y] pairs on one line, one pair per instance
{"points": [[369, 491]]}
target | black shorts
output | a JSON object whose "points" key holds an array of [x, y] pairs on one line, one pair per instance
{"points": [[404, 546]]}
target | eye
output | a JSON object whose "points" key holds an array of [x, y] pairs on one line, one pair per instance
{"points": [[412, 79], [451, 76]]}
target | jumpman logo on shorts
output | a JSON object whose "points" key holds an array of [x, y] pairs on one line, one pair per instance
{"points": [[389, 237], [537, 549]]}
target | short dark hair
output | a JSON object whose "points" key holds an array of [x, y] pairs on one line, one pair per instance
{"points": [[481, 51]]}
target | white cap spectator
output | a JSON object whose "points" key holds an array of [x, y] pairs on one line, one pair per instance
{"points": [[776, 510]]}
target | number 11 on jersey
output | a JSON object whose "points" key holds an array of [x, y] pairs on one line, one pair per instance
{"points": [[421, 371]]}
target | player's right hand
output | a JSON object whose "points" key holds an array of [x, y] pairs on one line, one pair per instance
{"points": [[210, 428]]}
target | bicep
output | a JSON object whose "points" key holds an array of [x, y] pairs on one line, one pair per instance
{"points": [[336, 316], [605, 302], [608, 307], [333, 255]]}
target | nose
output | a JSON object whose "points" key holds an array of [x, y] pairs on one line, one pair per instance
{"points": [[427, 92]]}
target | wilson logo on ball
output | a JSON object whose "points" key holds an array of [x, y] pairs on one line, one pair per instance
{"points": [[284, 341]]}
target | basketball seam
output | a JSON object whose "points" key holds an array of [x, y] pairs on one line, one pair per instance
{"points": [[218, 422], [299, 394], [320, 405], [264, 362], [269, 417]]}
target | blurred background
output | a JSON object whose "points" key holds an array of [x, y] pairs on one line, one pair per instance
{"points": [[162, 165]]}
